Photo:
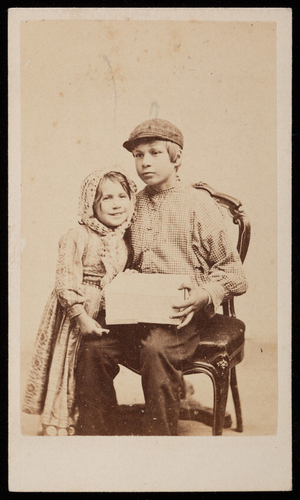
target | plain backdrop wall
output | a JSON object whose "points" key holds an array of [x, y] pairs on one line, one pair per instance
{"points": [[86, 84]]}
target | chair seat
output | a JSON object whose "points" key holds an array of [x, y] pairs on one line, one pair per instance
{"points": [[222, 336]]}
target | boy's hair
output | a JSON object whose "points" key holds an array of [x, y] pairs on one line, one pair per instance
{"points": [[116, 177], [173, 150]]}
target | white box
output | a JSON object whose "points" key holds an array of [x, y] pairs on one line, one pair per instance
{"points": [[143, 298]]}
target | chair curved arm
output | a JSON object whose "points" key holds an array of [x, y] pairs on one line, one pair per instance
{"points": [[215, 194]]}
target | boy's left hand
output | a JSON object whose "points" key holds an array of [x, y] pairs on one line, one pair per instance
{"points": [[197, 299]]}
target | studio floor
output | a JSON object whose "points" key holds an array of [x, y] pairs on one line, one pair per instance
{"points": [[257, 381]]}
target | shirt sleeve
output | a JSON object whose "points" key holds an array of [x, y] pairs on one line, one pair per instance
{"points": [[69, 272], [225, 275]]}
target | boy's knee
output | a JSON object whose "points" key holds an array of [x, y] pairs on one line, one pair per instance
{"points": [[94, 350], [156, 345], [152, 349], [89, 346]]}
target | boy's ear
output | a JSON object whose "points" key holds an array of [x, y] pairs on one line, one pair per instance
{"points": [[178, 158]]}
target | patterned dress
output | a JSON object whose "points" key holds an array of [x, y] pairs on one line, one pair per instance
{"points": [[89, 257]]}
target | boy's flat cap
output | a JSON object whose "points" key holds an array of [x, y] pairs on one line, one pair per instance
{"points": [[155, 128]]}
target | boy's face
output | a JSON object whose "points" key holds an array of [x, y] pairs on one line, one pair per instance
{"points": [[114, 205], [153, 164]]}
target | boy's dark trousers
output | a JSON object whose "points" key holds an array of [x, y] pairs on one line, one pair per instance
{"points": [[156, 351]]}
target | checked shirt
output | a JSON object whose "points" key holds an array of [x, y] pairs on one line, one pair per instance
{"points": [[181, 230]]}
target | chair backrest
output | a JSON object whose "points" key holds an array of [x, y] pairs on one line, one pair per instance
{"points": [[240, 218]]}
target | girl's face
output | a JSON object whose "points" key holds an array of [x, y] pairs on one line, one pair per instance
{"points": [[114, 206]]}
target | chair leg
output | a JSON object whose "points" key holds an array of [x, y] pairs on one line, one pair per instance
{"points": [[191, 409], [236, 400], [221, 388]]}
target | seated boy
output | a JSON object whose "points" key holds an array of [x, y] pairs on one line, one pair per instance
{"points": [[178, 230]]}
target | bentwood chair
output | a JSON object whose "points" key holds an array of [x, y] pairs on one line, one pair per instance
{"points": [[221, 347]]}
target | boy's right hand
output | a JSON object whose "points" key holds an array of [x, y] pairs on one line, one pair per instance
{"points": [[88, 325]]}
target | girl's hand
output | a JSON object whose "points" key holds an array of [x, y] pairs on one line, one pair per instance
{"points": [[88, 325], [197, 299]]}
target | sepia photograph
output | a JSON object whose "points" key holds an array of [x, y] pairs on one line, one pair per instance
{"points": [[149, 331]]}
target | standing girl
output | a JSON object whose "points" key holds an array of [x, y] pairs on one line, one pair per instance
{"points": [[89, 257]]}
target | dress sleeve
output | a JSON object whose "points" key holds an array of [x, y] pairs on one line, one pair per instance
{"points": [[226, 277], [69, 272]]}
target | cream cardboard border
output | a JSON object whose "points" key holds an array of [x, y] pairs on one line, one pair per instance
{"points": [[160, 464]]}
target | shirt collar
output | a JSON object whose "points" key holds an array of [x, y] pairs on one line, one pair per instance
{"points": [[153, 191]]}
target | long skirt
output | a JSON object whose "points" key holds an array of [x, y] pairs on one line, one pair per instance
{"points": [[50, 390]]}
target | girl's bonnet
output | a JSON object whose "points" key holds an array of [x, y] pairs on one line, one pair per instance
{"points": [[87, 197]]}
